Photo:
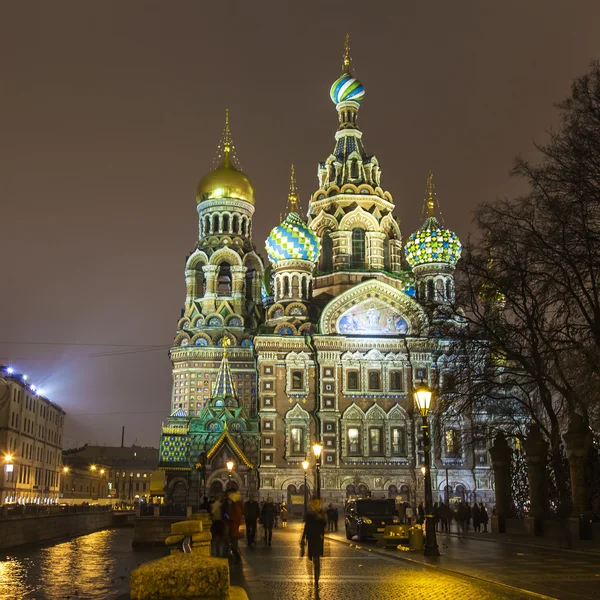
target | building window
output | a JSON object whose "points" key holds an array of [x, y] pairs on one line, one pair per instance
{"points": [[375, 441], [297, 380], [396, 381], [352, 380], [453, 446], [398, 436], [448, 382], [374, 380], [268, 441], [224, 280], [358, 248], [297, 435], [353, 441], [327, 253]]}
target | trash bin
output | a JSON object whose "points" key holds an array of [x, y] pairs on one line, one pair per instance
{"points": [[585, 526], [415, 538]]}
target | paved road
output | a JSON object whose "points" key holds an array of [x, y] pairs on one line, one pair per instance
{"points": [[348, 573], [561, 574]]}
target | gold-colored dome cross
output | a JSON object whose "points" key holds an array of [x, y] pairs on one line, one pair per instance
{"points": [[293, 195]]}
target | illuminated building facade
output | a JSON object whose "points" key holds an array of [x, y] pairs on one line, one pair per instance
{"points": [[350, 318], [31, 430]]}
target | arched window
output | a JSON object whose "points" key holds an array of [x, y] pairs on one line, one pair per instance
{"points": [[286, 287], [405, 493], [374, 380], [236, 224], [225, 223], [352, 380], [358, 248], [448, 290], [207, 225], [244, 225], [439, 290], [250, 273], [297, 380], [430, 289], [224, 280], [353, 441], [327, 253], [215, 224], [398, 439]]}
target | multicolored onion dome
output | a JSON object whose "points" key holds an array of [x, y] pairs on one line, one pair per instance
{"points": [[432, 244], [292, 240], [347, 88]]}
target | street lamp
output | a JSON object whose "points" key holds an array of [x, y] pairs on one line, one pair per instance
{"points": [[9, 468], [230, 469], [317, 450], [305, 466], [422, 395]]}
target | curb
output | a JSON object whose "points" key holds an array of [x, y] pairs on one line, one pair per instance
{"points": [[446, 570]]}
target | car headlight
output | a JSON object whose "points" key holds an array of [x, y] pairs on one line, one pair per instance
{"points": [[396, 521], [367, 521]]}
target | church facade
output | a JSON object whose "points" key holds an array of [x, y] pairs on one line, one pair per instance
{"points": [[322, 343]]}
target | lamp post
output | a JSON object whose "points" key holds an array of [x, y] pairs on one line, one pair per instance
{"points": [[305, 466], [317, 450], [229, 469], [422, 395]]}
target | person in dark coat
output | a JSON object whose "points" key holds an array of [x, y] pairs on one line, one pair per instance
{"points": [[421, 514], [467, 516], [313, 536], [445, 517], [267, 518], [476, 518], [483, 516], [251, 514], [436, 515], [217, 528]]}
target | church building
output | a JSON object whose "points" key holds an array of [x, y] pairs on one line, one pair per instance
{"points": [[323, 343]]}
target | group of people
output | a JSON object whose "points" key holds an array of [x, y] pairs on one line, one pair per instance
{"points": [[444, 514]]}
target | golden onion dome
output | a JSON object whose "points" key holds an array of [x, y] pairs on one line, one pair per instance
{"points": [[225, 181]]}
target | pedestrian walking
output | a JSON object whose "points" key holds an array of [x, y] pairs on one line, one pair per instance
{"points": [[251, 514], [330, 517], [476, 518], [467, 516], [217, 528], [483, 516], [313, 536], [233, 519], [409, 512], [445, 517], [284, 514], [267, 518], [421, 514]]}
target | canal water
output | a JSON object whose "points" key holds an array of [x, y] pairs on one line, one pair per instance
{"points": [[89, 567]]}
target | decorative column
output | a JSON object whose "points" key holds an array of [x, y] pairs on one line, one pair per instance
{"points": [[501, 455], [190, 286], [536, 456], [375, 241], [578, 440], [238, 274], [208, 300], [341, 249]]}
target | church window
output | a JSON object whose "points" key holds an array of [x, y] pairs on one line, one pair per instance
{"points": [[225, 223], [353, 441], [207, 225], [430, 289], [374, 380], [352, 380], [297, 440], [297, 380], [327, 253], [448, 290], [224, 280], [396, 381], [375, 441], [398, 439], [358, 248], [386, 254], [215, 224], [244, 223], [452, 443], [236, 223], [439, 290]]}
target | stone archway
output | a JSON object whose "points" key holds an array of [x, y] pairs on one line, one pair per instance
{"points": [[350, 490], [392, 491], [216, 487]]}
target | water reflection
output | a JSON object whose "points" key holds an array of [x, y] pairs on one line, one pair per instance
{"points": [[89, 567]]}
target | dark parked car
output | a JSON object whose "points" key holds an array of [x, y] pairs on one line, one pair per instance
{"points": [[368, 517]]}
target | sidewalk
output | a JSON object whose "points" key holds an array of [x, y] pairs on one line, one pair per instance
{"points": [[550, 572]]}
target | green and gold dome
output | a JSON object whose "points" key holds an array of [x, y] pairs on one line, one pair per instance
{"points": [[433, 243]]}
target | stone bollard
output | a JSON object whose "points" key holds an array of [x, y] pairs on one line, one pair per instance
{"points": [[501, 455], [536, 448], [194, 529]]}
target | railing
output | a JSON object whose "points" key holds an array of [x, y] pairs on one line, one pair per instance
{"points": [[38, 510]]}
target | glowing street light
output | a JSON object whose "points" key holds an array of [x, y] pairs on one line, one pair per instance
{"points": [[10, 370], [229, 469], [92, 467], [422, 396], [317, 451], [305, 465]]}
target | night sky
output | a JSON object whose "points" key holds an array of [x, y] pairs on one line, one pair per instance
{"points": [[110, 112]]}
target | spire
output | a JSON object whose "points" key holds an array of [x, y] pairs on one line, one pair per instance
{"points": [[224, 383], [226, 149], [346, 61], [430, 196], [293, 195]]}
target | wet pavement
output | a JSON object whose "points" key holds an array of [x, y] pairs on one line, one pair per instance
{"points": [[279, 573], [562, 574], [89, 567]]}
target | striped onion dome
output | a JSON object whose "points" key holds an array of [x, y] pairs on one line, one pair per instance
{"points": [[345, 88]]}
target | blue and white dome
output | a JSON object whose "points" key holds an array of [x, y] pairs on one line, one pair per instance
{"points": [[292, 240], [345, 88]]}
